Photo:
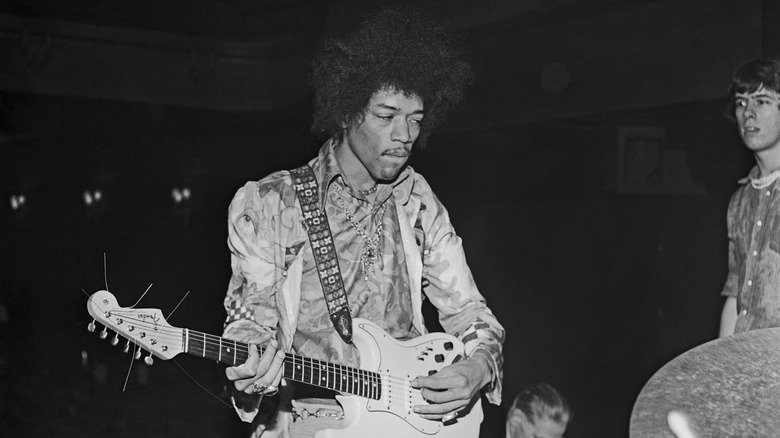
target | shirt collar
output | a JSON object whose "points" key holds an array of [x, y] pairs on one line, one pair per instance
{"points": [[329, 170]]}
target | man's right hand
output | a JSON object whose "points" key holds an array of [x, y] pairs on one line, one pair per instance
{"points": [[259, 374]]}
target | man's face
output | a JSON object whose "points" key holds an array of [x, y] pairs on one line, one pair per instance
{"points": [[380, 144], [521, 427], [758, 118]]}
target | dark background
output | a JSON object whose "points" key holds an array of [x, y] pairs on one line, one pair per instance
{"points": [[602, 265]]}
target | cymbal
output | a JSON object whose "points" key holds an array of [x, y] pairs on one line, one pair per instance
{"points": [[726, 387]]}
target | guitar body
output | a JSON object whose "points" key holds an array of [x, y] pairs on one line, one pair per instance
{"points": [[377, 398], [399, 362]]}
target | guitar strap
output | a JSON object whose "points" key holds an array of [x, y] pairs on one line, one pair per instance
{"points": [[325, 257]]}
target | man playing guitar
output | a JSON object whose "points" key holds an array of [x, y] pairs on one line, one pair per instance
{"points": [[357, 235]]}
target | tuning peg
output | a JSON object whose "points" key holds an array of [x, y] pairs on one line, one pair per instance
{"points": [[127, 347], [104, 333], [149, 361], [91, 326], [137, 354], [115, 340]]}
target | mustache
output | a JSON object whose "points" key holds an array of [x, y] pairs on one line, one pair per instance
{"points": [[398, 151]]}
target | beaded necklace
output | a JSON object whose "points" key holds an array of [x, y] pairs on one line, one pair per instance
{"points": [[370, 251], [765, 181], [369, 191]]}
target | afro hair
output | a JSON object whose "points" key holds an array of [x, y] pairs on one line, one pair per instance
{"points": [[391, 50]]}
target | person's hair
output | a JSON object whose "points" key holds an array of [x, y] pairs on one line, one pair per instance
{"points": [[541, 400], [390, 50], [762, 72]]}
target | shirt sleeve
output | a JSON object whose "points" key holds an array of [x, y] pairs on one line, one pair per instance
{"points": [[732, 279], [254, 217], [449, 284]]}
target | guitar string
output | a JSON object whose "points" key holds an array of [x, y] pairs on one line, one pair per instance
{"points": [[201, 386], [394, 383], [319, 366], [137, 347], [311, 365]]}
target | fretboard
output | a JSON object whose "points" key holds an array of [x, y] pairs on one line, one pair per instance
{"points": [[301, 369]]}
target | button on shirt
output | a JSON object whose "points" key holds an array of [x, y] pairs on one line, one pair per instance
{"points": [[754, 255]]}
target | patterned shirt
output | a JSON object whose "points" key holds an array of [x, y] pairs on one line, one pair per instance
{"points": [[754, 255], [267, 234]]}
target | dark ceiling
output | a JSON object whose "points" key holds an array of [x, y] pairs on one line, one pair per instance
{"points": [[253, 19], [535, 60]]}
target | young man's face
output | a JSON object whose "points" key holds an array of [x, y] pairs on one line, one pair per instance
{"points": [[380, 144], [521, 427], [758, 118]]}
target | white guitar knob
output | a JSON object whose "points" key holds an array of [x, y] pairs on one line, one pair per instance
{"points": [[137, 354], [91, 326], [127, 347], [104, 333], [149, 361], [115, 340]]}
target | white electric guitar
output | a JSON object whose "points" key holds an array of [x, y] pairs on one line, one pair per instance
{"points": [[377, 398]]}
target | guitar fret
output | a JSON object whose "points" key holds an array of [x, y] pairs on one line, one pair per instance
{"points": [[197, 347], [373, 386], [337, 377], [299, 366], [358, 378], [294, 368], [227, 348], [351, 382], [213, 350], [364, 385]]}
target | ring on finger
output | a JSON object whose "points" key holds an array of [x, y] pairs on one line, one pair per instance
{"points": [[258, 387], [271, 390], [449, 417]]}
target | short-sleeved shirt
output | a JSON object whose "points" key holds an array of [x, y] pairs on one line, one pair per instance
{"points": [[754, 255]]}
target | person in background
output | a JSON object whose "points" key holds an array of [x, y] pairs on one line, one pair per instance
{"points": [[538, 411], [752, 287], [379, 93]]}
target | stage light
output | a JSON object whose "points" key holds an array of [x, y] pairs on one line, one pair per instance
{"points": [[17, 201], [180, 195], [176, 195], [92, 197]]}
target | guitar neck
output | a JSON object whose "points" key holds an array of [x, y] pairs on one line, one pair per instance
{"points": [[297, 368]]}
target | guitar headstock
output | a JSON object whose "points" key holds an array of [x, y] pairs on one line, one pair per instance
{"points": [[144, 327]]}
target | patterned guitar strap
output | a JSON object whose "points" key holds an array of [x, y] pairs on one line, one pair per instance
{"points": [[324, 251]]}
